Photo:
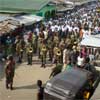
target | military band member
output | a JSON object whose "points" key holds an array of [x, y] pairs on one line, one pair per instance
{"points": [[40, 41], [50, 49], [43, 52], [39, 47], [61, 47], [54, 53], [64, 58], [34, 42], [56, 40], [29, 54], [57, 55], [19, 51]]}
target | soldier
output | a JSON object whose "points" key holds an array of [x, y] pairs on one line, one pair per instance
{"points": [[50, 49], [19, 51], [34, 42], [29, 54], [57, 54], [56, 39], [9, 71], [64, 58], [61, 47], [68, 42], [43, 52], [40, 40], [54, 53]]}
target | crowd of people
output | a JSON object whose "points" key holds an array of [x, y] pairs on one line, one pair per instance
{"points": [[56, 40]]}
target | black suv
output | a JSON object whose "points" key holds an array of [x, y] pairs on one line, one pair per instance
{"points": [[74, 84]]}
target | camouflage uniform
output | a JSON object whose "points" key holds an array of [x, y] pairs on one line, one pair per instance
{"points": [[50, 49], [19, 51], [57, 55], [34, 43], [29, 51], [43, 52]]}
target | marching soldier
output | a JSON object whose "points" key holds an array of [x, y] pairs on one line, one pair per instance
{"points": [[64, 58], [54, 53], [56, 39], [19, 51], [40, 40], [68, 42], [57, 54], [50, 49], [43, 52], [34, 42], [29, 50], [9, 71], [61, 47]]}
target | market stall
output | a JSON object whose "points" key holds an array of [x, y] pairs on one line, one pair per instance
{"points": [[7, 25]]}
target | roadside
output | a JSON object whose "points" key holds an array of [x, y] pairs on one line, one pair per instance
{"points": [[25, 79]]}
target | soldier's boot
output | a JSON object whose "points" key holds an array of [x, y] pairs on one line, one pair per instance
{"points": [[19, 60], [41, 65], [50, 58], [44, 66], [11, 86], [31, 61], [7, 87], [39, 56]]}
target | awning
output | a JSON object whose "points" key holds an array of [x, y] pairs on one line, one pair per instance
{"points": [[8, 24], [3, 18], [28, 19], [90, 41]]}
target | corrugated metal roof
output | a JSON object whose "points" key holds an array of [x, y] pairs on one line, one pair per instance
{"points": [[22, 5], [2, 18], [71, 1]]}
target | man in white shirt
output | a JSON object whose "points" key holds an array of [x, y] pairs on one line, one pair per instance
{"points": [[80, 60], [52, 28]]}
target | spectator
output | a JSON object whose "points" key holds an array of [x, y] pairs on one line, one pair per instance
{"points": [[90, 67], [40, 90], [69, 66], [80, 60], [10, 71]]}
